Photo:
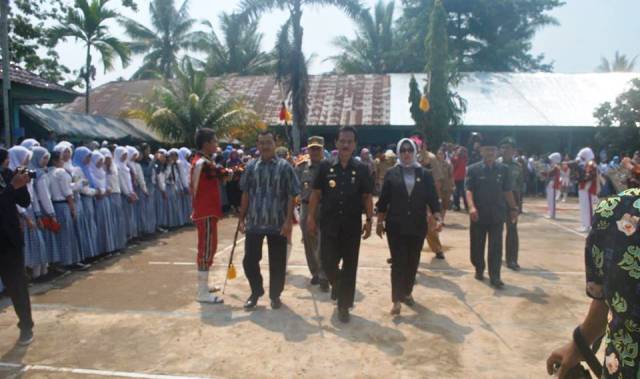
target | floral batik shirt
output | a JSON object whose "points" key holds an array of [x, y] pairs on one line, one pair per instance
{"points": [[612, 256]]}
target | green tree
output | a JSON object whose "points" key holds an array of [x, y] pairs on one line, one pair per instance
{"points": [[373, 50], [87, 22], [620, 63], [438, 89], [181, 106], [618, 123], [170, 33], [484, 35], [297, 73], [238, 49]]}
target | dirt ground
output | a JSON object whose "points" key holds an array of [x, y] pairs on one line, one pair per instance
{"points": [[135, 315]]}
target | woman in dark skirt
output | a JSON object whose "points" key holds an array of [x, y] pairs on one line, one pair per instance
{"points": [[408, 189]]}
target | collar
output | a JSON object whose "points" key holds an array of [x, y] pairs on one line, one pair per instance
{"points": [[336, 162]]}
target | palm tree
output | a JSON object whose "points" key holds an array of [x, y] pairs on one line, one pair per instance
{"points": [[372, 51], [86, 22], [170, 33], [296, 67], [620, 63], [238, 49], [181, 106]]}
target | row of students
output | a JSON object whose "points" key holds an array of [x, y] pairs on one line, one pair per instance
{"points": [[89, 203]]}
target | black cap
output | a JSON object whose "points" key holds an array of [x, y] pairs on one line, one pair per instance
{"points": [[488, 140], [507, 141]]}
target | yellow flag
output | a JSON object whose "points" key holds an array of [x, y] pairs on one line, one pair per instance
{"points": [[231, 272], [424, 104]]}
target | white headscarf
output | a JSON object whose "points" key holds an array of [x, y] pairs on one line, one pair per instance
{"points": [[585, 155], [17, 157], [414, 160], [30, 143], [106, 153], [183, 154], [555, 158], [99, 174], [61, 147], [131, 151], [118, 153]]}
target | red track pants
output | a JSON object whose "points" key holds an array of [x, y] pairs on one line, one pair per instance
{"points": [[207, 241]]}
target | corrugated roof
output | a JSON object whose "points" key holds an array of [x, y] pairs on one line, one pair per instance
{"points": [[82, 126], [334, 99], [19, 75], [523, 99], [493, 99]]}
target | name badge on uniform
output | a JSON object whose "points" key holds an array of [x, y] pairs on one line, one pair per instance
{"points": [[306, 185], [418, 179], [332, 183], [331, 170], [353, 173]]}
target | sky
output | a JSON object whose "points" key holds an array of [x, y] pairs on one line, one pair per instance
{"points": [[588, 30]]}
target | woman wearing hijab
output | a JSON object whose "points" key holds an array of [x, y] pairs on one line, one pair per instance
{"points": [[174, 209], [129, 196], [104, 217], [234, 194], [161, 200], [41, 184], [587, 186], [408, 189], [140, 187], [34, 248], [86, 219], [146, 162], [365, 157], [119, 225], [184, 154], [30, 143]]}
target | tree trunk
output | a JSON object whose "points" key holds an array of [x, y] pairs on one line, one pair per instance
{"points": [[87, 79], [299, 79]]}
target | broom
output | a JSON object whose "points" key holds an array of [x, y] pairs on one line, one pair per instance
{"points": [[231, 269]]}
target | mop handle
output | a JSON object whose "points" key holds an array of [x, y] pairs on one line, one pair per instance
{"points": [[233, 249]]}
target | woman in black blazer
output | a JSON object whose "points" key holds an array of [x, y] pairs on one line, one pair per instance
{"points": [[408, 189]]}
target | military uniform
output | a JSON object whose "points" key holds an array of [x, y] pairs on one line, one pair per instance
{"points": [[307, 172], [488, 185], [342, 190], [434, 167]]}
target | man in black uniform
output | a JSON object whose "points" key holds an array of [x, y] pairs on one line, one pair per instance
{"points": [[488, 185], [343, 186]]}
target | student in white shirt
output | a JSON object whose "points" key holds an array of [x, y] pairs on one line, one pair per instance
{"points": [[115, 198], [128, 194], [86, 220]]}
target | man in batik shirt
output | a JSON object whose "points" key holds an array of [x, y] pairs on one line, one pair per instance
{"points": [[612, 256]]}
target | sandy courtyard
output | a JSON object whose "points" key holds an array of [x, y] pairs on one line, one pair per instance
{"points": [[134, 316]]}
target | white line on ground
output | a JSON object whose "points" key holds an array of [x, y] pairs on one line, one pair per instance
{"points": [[581, 235], [118, 374]]}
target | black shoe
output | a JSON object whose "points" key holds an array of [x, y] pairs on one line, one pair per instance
{"points": [[276, 303], [479, 275], [26, 337], [440, 255], [334, 295], [409, 301], [343, 315], [315, 281], [324, 285], [497, 284], [513, 266], [251, 303], [389, 260]]}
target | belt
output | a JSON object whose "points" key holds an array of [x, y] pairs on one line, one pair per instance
{"points": [[59, 201]]}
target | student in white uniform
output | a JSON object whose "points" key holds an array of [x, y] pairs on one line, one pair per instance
{"points": [[47, 215], [128, 194], [553, 183], [119, 226], [184, 156], [86, 220], [140, 187], [104, 216]]}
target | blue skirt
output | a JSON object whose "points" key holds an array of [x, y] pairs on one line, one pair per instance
{"points": [[149, 215], [119, 226], [186, 208], [173, 207], [51, 246], [66, 239], [130, 218], [162, 218], [86, 229], [104, 222], [35, 253]]}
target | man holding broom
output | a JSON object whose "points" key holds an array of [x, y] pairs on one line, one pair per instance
{"points": [[206, 209]]}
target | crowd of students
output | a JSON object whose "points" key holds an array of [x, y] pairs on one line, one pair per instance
{"points": [[90, 201]]}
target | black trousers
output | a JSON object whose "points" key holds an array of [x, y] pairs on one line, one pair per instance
{"points": [[14, 277], [277, 263], [405, 258], [479, 233], [512, 241], [345, 246], [458, 193]]}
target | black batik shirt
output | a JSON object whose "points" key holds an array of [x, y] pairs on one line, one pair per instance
{"points": [[612, 257], [488, 185]]}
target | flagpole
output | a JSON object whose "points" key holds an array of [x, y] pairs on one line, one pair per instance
{"points": [[6, 78]]}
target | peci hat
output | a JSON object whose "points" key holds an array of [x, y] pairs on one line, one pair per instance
{"points": [[315, 141]]}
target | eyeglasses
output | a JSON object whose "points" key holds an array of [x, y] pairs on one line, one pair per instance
{"points": [[406, 150]]}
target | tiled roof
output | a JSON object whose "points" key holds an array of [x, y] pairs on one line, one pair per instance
{"points": [[22, 76]]}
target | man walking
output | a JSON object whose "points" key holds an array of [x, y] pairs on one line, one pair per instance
{"points": [[343, 187], [268, 186], [489, 191], [507, 147], [306, 172]]}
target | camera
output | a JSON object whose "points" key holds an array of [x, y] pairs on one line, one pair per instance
{"points": [[31, 173]]}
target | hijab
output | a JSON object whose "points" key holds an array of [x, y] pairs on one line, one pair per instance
{"points": [[106, 153], [555, 158], [30, 143], [183, 154], [17, 156], [79, 156], [99, 175], [414, 156], [61, 147], [39, 153], [585, 155]]}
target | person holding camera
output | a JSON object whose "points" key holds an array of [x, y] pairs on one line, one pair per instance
{"points": [[13, 193]]}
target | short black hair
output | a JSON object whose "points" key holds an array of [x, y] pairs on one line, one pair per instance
{"points": [[204, 135], [348, 129], [266, 132]]}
